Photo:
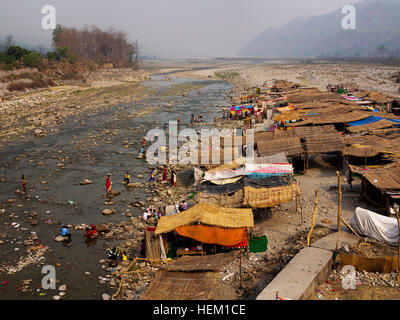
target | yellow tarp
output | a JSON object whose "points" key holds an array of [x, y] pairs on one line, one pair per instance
{"points": [[214, 235], [207, 214]]}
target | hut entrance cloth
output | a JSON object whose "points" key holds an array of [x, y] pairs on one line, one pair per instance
{"points": [[258, 244], [213, 235]]}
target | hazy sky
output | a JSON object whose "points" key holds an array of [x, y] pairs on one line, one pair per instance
{"points": [[167, 28]]}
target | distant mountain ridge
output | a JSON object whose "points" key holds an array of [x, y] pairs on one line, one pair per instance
{"points": [[377, 23]]}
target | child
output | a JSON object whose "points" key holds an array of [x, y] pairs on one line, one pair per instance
{"points": [[65, 232], [127, 178], [152, 176]]}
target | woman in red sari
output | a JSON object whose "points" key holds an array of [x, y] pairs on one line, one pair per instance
{"points": [[165, 173], [108, 186]]}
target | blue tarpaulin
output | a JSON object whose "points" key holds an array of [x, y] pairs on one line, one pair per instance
{"points": [[371, 119]]}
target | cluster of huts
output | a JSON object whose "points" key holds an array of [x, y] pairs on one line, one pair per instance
{"points": [[292, 124], [361, 126], [303, 122]]}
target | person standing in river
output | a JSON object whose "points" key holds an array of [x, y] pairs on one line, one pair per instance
{"points": [[165, 173], [173, 178], [23, 182], [108, 187]]}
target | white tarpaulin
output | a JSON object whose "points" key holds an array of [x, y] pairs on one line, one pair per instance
{"points": [[225, 174], [375, 226]]}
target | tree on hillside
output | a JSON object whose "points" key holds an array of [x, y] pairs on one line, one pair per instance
{"points": [[109, 46], [56, 34], [32, 59], [16, 52]]}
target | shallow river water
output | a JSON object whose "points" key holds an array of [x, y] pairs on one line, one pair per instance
{"points": [[83, 148]]}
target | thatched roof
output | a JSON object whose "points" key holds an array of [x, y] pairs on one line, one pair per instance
{"points": [[371, 126], [323, 143], [209, 215], [291, 146], [358, 150], [268, 197], [191, 278], [228, 200], [384, 178]]}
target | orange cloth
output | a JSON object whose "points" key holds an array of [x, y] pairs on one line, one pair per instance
{"points": [[214, 235]]}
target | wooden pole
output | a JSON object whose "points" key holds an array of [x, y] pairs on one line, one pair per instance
{"points": [[398, 245], [339, 208], [240, 269], [313, 219], [301, 211], [348, 226]]}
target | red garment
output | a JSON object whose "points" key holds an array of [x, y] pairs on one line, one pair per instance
{"points": [[93, 230], [164, 175], [108, 184]]}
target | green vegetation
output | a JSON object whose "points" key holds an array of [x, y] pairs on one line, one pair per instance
{"points": [[32, 59], [15, 57]]}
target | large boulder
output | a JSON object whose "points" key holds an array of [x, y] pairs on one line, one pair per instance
{"points": [[101, 227], [107, 212], [115, 192], [61, 239]]}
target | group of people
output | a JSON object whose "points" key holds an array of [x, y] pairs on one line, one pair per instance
{"points": [[164, 177], [239, 115], [113, 254], [152, 212], [157, 213], [90, 232], [198, 119]]}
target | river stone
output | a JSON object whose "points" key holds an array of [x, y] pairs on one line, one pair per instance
{"points": [[108, 235], [102, 227], [86, 181], [60, 239], [56, 297], [107, 212], [105, 296], [63, 287], [115, 192]]}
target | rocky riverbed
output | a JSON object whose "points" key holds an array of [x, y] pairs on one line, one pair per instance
{"points": [[65, 165]]}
